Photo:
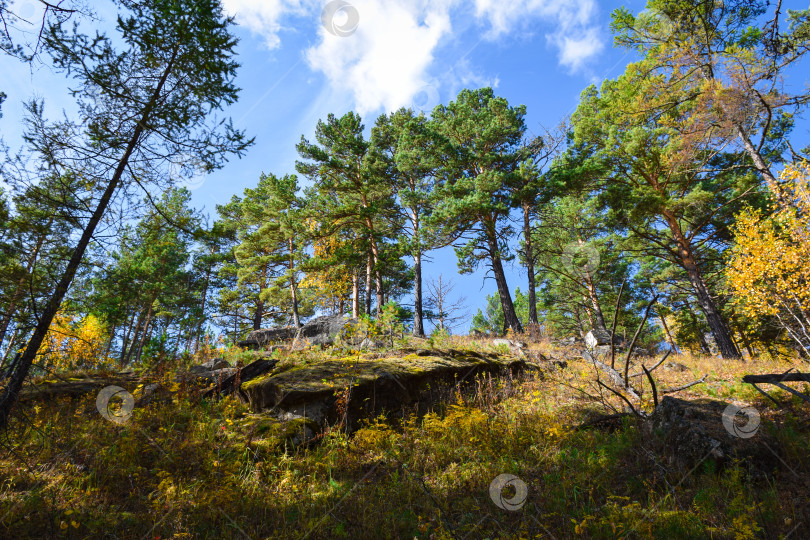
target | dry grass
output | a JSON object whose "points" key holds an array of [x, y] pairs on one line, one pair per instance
{"points": [[197, 469]]}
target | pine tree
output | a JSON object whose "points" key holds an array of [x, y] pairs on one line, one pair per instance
{"points": [[348, 193], [144, 96], [480, 172], [408, 153]]}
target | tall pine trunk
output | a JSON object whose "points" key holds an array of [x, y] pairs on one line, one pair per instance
{"points": [[418, 317], [717, 325], [369, 265], [355, 294], [529, 253], [9, 394], [510, 319], [380, 293], [294, 286], [593, 297]]}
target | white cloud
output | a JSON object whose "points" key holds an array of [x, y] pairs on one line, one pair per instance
{"points": [[386, 61], [576, 37], [264, 16]]}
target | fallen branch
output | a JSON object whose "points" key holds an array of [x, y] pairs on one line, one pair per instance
{"points": [[640, 373], [623, 398], [684, 387], [792, 391], [652, 383], [614, 375], [773, 378], [635, 337], [777, 379]]}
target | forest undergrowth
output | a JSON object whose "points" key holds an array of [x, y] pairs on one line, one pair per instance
{"points": [[196, 468]]}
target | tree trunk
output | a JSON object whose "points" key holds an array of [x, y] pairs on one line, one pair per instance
{"points": [[125, 338], [144, 331], [527, 238], [355, 294], [258, 315], [718, 326], [202, 306], [509, 316], [668, 333], [598, 317], [9, 394], [368, 284], [294, 286], [379, 285], [759, 162], [418, 318], [11, 343]]}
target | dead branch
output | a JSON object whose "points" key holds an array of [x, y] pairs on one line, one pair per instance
{"points": [[772, 378], [614, 375], [613, 326], [652, 383], [640, 373], [635, 337], [623, 398], [685, 386]]}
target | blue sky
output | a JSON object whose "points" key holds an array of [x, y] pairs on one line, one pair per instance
{"points": [[297, 67]]}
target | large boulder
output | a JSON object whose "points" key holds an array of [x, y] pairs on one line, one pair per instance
{"points": [[378, 385], [212, 365], [322, 330], [687, 432], [267, 336], [599, 337]]}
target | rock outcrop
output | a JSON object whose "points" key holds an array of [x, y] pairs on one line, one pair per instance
{"points": [[322, 330], [687, 432], [267, 336], [599, 337], [318, 392]]}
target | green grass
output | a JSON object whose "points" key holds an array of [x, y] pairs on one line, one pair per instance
{"points": [[205, 469]]}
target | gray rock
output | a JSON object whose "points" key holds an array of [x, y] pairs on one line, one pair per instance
{"points": [[215, 364], [675, 366], [213, 376], [597, 337], [211, 365], [153, 393], [267, 336], [323, 330], [371, 344], [678, 426]]}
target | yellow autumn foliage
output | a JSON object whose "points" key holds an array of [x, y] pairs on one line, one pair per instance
{"points": [[73, 344], [768, 271], [332, 284]]}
